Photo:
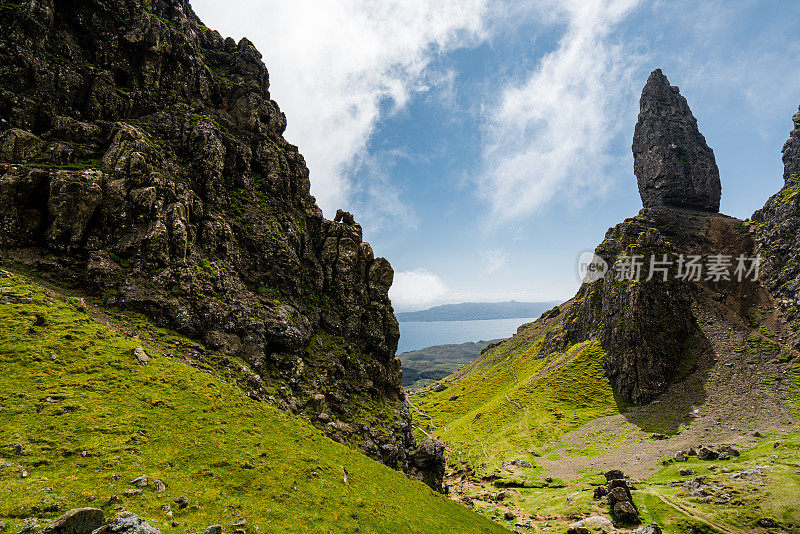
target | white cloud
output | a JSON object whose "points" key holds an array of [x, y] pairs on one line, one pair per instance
{"points": [[553, 132], [416, 289], [337, 66], [493, 259]]}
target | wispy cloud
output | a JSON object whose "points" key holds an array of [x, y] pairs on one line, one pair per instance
{"points": [[493, 260], [553, 133], [336, 67]]}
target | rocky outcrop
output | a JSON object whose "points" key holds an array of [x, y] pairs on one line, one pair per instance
{"points": [[619, 498], [142, 157], [645, 321], [77, 521], [672, 162], [427, 463], [778, 233], [127, 523]]}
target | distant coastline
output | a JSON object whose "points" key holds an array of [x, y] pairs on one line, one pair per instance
{"points": [[476, 311]]}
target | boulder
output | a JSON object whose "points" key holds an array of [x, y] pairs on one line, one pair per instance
{"points": [[705, 453], [672, 162], [625, 512], [617, 495], [77, 521], [127, 523], [141, 480], [728, 450], [695, 487], [427, 463], [143, 359]]}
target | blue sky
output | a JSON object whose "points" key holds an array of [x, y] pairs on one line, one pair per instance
{"points": [[484, 145]]}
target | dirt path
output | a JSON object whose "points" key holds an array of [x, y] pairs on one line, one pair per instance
{"points": [[726, 529]]}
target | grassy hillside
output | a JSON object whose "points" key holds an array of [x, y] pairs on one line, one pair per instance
{"points": [[513, 401], [558, 412], [81, 418]]}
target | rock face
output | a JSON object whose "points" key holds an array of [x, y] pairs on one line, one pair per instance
{"points": [[672, 162], [778, 236], [142, 157]]}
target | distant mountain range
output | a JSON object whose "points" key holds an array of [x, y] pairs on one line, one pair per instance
{"points": [[477, 311]]}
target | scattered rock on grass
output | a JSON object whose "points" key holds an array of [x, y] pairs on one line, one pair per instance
{"points": [[77, 521], [695, 487], [140, 355], [159, 485], [591, 523], [213, 529], [514, 464], [182, 502], [29, 525], [141, 481], [680, 457], [687, 472], [648, 529], [704, 453], [131, 492]]}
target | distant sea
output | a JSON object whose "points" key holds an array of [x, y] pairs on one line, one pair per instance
{"points": [[415, 335]]}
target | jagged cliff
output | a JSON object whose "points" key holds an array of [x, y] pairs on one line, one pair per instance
{"points": [[778, 237], [142, 158]]}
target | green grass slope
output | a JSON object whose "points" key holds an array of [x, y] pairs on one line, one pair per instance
{"points": [[769, 489], [513, 400], [90, 419]]}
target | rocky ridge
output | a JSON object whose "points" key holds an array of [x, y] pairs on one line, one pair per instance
{"points": [[142, 158]]}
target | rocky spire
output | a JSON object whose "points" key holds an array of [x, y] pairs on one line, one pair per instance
{"points": [[672, 162], [791, 153]]}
